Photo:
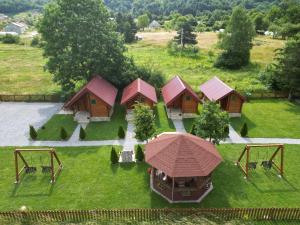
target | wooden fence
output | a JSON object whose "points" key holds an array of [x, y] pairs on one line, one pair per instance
{"points": [[119, 215], [30, 98]]}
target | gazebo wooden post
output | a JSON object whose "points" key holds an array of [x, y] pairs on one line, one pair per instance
{"points": [[173, 182], [281, 161], [17, 167], [52, 167], [247, 161]]}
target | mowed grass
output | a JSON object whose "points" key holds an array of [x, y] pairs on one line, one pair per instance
{"points": [[89, 181], [51, 130], [107, 130], [21, 71], [162, 122], [270, 118]]}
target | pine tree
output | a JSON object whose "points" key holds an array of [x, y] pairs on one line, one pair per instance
{"points": [[121, 132], [82, 133], [185, 28], [32, 132], [114, 158], [139, 155], [244, 130], [63, 134]]}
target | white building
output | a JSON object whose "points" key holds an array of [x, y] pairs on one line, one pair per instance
{"points": [[18, 28], [154, 25], [3, 16]]}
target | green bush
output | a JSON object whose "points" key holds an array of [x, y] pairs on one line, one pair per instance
{"points": [[121, 132], [114, 158], [35, 41], [192, 131], [82, 133], [244, 130], [139, 155], [33, 133], [232, 60], [63, 134], [190, 51], [226, 130], [10, 39]]}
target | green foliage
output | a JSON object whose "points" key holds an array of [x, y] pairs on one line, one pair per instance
{"points": [[190, 51], [10, 39], [15, 6], [193, 129], [63, 133], [74, 58], [143, 21], [244, 130], [32, 132], [121, 132], [272, 80], [226, 131], [36, 42], [126, 26], [139, 155], [212, 123], [236, 41], [185, 31], [144, 122], [114, 158], [82, 133]]}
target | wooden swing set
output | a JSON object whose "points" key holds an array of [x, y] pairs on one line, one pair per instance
{"points": [[31, 169], [267, 164]]}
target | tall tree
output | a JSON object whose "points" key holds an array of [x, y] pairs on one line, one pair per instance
{"points": [[185, 31], [143, 21], [236, 41], [80, 40], [126, 26], [212, 123], [144, 122]]}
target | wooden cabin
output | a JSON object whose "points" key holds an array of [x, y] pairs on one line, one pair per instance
{"points": [[94, 101], [182, 166], [180, 99], [229, 99], [139, 91]]}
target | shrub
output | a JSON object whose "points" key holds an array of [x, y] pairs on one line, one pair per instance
{"points": [[231, 60], [139, 155], [226, 131], [10, 39], [114, 158], [244, 130], [63, 133], [35, 41], [82, 133], [32, 132], [121, 132], [190, 51], [192, 131]]}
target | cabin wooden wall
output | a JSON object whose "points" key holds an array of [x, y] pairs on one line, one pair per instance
{"points": [[139, 98], [235, 103], [189, 104]]}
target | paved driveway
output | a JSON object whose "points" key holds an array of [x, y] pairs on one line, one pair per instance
{"points": [[15, 119]]}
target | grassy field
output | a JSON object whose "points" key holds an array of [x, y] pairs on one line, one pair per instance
{"points": [[270, 118], [21, 68], [89, 181], [163, 124], [107, 130], [21, 71], [51, 130]]}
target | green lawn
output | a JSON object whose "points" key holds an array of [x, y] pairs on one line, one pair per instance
{"points": [[163, 124], [21, 71], [107, 130], [51, 130], [89, 181], [270, 118]]}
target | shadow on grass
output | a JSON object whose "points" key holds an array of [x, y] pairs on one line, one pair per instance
{"points": [[237, 123]]}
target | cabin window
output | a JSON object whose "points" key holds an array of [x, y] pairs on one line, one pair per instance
{"points": [[188, 98], [93, 101]]}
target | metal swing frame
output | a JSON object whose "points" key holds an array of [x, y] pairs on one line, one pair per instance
{"points": [[53, 156], [247, 151]]}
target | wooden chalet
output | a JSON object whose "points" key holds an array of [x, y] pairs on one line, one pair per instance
{"points": [[139, 91], [95, 100], [180, 99], [229, 99], [182, 166]]}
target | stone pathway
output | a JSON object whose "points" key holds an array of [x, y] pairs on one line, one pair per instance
{"points": [[179, 126]]}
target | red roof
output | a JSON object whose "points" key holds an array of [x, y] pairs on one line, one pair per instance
{"points": [[99, 87], [182, 155], [175, 88], [139, 87], [215, 89]]}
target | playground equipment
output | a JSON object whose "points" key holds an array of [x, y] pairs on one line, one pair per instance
{"points": [[29, 169]]}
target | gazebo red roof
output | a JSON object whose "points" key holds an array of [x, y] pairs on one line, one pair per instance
{"points": [[182, 155], [215, 89], [99, 87], [139, 87], [175, 88]]}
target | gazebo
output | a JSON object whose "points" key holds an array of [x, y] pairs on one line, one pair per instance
{"points": [[182, 166]]}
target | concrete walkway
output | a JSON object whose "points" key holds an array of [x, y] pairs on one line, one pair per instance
{"points": [[178, 124]]}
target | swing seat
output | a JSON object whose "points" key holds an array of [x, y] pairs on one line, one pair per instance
{"points": [[30, 170], [266, 165], [252, 165], [46, 169]]}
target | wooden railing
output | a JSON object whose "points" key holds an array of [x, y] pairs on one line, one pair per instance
{"points": [[152, 214], [30, 98]]}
